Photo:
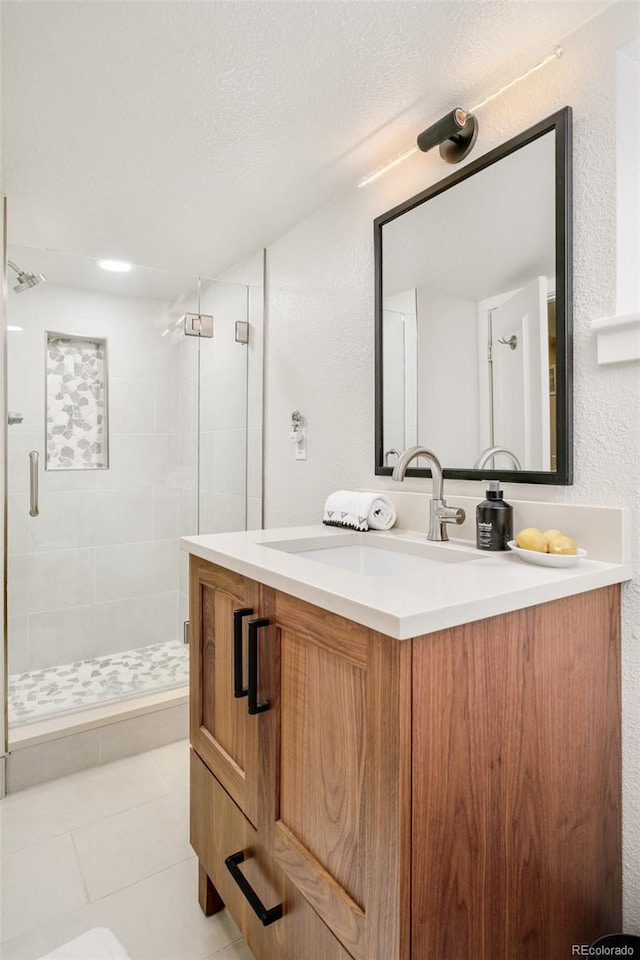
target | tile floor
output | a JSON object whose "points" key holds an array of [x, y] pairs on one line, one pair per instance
{"points": [[108, 847], [76, 686]]}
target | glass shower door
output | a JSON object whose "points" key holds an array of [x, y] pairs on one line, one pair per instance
{"points": [[97, 368]]}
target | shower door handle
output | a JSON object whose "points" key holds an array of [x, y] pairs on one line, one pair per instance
{"points": [[33, 484]]}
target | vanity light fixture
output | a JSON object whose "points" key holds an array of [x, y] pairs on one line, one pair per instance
{"points": [[557, 53], [455, 134], [409, 152], [379, 171], [115, 266]]}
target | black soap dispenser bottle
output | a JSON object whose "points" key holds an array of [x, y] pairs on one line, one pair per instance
{"points": [[494, 520]]}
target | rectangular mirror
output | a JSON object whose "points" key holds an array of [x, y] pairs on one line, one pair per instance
{"points": [[473, 316]]}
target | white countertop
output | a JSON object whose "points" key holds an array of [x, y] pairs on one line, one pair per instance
{"points": [[408, 604]]}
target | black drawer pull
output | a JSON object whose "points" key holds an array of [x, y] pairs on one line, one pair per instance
{"points": [[253, 706], [264, 916], [238, 689]]}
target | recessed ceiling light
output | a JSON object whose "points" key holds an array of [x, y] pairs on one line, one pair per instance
{"points": [[116, 266]]}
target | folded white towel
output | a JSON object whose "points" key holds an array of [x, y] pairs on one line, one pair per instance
{"points": [[359, 510]]}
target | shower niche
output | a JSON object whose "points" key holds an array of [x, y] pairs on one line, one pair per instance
{"points": [[76, 403]]}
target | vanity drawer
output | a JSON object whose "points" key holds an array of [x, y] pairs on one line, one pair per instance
{"points": [[220, 829]]}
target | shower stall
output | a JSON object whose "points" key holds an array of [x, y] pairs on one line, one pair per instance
{"points": [[131, 421]]}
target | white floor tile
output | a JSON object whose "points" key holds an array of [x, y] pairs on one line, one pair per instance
{"points": [[34, 815], [235, 951], [39, 883], [156, 919], [172, 763], [120, 850]]}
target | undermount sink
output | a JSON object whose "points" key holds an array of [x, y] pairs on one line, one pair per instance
{"points": [[371, 555]]}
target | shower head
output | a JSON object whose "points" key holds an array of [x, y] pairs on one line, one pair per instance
{"points": [[26, 280]]}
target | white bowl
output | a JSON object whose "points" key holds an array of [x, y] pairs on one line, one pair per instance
{"points": [[547, 559]]}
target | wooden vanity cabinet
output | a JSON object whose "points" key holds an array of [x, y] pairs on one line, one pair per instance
{"points": [[452, 796]]}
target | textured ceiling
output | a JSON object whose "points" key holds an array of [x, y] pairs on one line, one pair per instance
{"points": [[186, 135]]}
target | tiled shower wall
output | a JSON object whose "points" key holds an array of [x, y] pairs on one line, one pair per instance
{"points": [[230, 413], [97, 571]]}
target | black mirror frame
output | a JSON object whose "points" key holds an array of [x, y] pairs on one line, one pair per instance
{"points": [[559, 122]]}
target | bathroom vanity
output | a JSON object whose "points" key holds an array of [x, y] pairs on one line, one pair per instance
{"points": [[388, 766]]}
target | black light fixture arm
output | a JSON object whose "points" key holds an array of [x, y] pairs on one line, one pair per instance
{"points": [[455, 133]]}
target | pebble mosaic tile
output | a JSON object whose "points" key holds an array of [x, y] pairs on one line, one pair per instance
{"points": [[76, 403], [76, 686]]}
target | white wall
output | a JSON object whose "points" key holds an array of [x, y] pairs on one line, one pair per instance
{"points": [[628, 173], [448, 327], [97, 571], [400, 372], [319, 351]]}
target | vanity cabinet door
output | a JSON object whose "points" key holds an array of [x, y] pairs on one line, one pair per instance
{"points": [[222, 732], [333, 770]]}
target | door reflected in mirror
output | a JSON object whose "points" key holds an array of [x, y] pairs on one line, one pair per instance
{"points": [[473, 316]]}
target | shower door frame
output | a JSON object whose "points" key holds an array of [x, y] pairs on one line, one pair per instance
{"points": [[4, 661]]}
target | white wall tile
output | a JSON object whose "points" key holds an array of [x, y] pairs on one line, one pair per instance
{"points": [[135, 460], [50, 581], [100, 629], [229, 463], [131, 406], [254, 391], [19, 443], [25, 389], [65, 521], [143, 733], [137, 353], [18, 645], [254, 462], [122, 625], [166, 508], [120, 516], [19, 523], [254, 513], [187, 406], [184, 572], [224, 397], [62, 636], [54, 758], [188, 354], [187, 513], [166, 409], [164, 624], [221, 513], [183, 607], [136, 569]]}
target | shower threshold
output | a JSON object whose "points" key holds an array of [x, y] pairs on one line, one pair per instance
{"points": [[73, 687]]}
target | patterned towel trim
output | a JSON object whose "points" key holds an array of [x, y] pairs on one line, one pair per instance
{"points": [[362, 526]]}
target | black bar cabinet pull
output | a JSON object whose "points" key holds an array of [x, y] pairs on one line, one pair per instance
{"points": [[264, 915], [238, 689], [253, 706]]}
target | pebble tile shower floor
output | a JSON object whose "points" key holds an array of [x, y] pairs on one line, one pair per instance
{"points": [[75, 686]]}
